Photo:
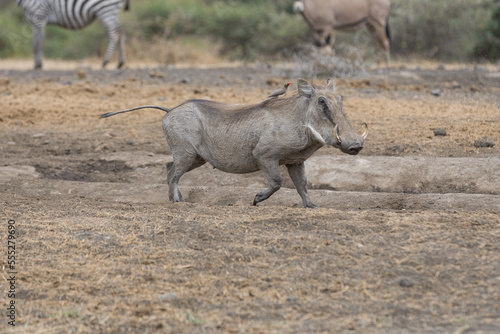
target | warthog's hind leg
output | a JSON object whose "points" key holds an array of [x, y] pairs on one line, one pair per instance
{"points": [[298, 175], [176, 169], [273, 176]]}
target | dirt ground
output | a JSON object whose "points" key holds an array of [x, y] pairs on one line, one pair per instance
{"points": [[407, 239]]}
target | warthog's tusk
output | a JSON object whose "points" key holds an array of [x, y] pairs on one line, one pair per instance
{"points": [[336, 134], [365, 134], [316, 134]]}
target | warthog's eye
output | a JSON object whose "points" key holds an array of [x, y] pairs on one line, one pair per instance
{"points": [[326, 110]]}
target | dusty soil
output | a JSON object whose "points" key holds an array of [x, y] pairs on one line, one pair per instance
{"points": [[406, 241]]}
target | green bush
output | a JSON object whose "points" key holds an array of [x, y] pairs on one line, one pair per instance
{"points": [[75, 44], [488, 45], [169, 18], [154, 15], [444, 30], [15, 33], [255, 28]]}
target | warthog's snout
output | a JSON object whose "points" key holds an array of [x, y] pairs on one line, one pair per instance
{"points": [[350, 142], [354, 149]]}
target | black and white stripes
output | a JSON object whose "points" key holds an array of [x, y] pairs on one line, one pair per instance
{"points": [[75, 14]]}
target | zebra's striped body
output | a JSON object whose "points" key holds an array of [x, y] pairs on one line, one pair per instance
{"points": [[75, 14]]}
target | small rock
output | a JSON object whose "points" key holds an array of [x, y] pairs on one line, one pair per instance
{"points": [[395, 149], [82, 74], [455, 85], [185, 80], [292, 299], [498, 105], [167, 297], [441, 67], [483, 143], [156, 75], [436, 92], [439, 132], [474, 89], [162, 99], [406, 283], [272, 249]]}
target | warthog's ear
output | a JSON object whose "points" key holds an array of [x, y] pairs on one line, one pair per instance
{"points": [[330, 84], [305, 88]]}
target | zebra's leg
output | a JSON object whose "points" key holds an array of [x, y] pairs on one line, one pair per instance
{"points": [[111, 47], [115, 38], [121, 48], [38, 38]]}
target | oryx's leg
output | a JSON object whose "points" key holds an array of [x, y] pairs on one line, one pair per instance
{"points": [[379, 33], [324, 40], [329, 42], [38, 39], [298, 175], [273, 175], [181, 165]]}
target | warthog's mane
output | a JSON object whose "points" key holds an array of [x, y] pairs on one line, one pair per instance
{"points": [[243, 109], [279, 104]]}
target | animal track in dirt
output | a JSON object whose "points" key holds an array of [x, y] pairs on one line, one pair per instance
{"points": [[90, 171]]}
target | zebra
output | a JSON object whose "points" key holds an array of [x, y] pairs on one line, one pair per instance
{"points": [[75, 14]]}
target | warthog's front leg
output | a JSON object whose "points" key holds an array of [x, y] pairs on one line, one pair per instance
{"points": [[273, 175], [298, 175]]}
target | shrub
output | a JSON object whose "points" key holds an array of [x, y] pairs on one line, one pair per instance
{"points": [[15, 33], [488, 45], [257, 27], [75, 44], [443, 30]]}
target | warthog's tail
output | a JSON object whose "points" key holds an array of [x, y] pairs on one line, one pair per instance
{"points": [[108, 114]]}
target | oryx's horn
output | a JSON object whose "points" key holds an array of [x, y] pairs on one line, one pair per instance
{"points": [[365, 134], [336, 134]]}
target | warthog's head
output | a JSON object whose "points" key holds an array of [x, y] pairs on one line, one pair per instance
{"points": [[325, 119]]}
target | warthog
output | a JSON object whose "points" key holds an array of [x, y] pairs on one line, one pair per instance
{"points": [[248, 138], [327, 16]]}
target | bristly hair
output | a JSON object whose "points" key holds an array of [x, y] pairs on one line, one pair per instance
{"points": [[243, 108]]}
